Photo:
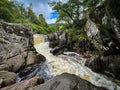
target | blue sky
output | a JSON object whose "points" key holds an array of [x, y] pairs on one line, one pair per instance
{"points": [[42, 7]]}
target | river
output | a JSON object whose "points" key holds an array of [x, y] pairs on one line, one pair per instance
{"points": [[69, 62]]}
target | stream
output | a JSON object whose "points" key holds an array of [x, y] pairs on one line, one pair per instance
{"points": [[69, 62]]}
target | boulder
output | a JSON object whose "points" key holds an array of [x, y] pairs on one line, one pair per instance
{"points": [[57, 39], [16, 46], [7, 78], [109, 65], [106, 39], [26, 84], [13, 64], [93, 34], [32, 58], [67, 82], [17, 29]]}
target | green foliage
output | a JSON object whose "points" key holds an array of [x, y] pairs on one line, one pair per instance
{"points": [[12, 11], [76, 34], [6, 14], [55, 27], [6, 10], [31, 15], [73, 14], [113, 7], [42, 20], [70, 12]]}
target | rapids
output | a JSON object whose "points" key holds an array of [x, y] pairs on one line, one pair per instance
{"points": [[74, 64]]}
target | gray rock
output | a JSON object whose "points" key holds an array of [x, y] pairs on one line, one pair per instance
{"points": [[67, 82], [7, 78], [15, 43], [32, 58], [57, 39], [13, 64], [93, 34], [109, 65], [25, 85]]}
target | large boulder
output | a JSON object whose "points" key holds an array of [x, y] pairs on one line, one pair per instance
{"points": [[106, 39], [25, 85], [67, 82], [57, 39], [93, 34], [34, 59], [7, 78], [17, 29], [16, 46], [109, 65], [13, 64]]}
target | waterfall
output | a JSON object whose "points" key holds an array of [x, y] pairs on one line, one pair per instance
{"points": [[71, 64]]}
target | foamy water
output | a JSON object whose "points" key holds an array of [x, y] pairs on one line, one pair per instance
{"points": [[71, 64]]}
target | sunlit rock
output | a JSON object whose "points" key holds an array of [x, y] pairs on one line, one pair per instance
{"points": [[93, 34], [7, 78]]}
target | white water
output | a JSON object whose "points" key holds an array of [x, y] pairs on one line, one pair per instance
{"points": [[71, 64]]}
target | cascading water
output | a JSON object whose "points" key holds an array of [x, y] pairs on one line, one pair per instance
{"points": [[42, 69], [70, 64]]}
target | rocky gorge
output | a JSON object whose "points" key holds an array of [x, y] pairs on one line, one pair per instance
{"points": [[16, 51], [31, 61]]}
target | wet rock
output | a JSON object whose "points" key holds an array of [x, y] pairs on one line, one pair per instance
{"points": [[27, 73], [41, 69], [57, 50], [67, 82], [107, 43], [109, 65], [32, 58], [7, 78], [83, 47], [57, 39], [25, 85]]}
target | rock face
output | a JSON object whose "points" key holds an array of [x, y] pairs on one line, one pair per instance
{"points": [[16, 46], [57, 39], [25, 85], [107, 41], [13, 64], [109, 65], [94, 34], [7, 78], [16, 51], [67, 82]]}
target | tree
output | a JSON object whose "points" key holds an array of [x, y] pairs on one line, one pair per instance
{"points": [[31, 15], [12, 11], [74, 11], [42, 20], [6, 10], [71, 12]]}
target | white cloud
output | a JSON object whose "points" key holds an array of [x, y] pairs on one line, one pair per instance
{"points": [[50, 21], [41, 7]]}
